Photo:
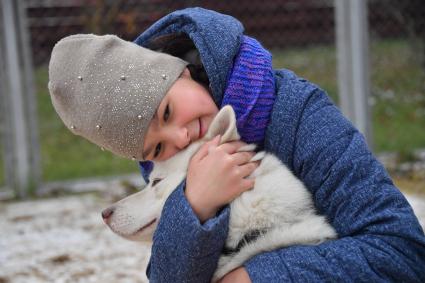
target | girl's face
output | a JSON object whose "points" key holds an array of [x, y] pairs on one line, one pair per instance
{"points": [[183, 116]]}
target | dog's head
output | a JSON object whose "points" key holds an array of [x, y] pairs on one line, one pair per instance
{"points": [[136, 217]]}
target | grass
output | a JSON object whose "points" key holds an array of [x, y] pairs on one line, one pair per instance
{"points": [[398, 113], [64, 155], [398, 89], [317, 64]]}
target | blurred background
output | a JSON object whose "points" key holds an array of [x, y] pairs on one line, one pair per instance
{"points": [[53, 184], [300, 34]]}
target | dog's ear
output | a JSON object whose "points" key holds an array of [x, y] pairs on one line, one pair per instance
{"points": [[224, 124]]}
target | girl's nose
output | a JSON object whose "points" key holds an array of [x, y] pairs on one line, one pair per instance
{"points": [[182, 138]]}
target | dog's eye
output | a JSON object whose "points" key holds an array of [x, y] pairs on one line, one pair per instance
{"points": [[156, 181]]}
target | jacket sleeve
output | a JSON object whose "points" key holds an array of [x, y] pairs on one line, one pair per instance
{"points": [[183, 249], [380, 239]]}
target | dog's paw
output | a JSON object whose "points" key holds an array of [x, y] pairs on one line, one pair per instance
{"points": [[221, 267], [223, 270], [248, 147]]}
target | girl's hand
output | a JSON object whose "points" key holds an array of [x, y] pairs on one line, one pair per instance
{"points": [[217, 175], [239, 275]]}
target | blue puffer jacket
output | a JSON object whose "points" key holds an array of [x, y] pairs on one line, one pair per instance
{"points": [[380, 239]]}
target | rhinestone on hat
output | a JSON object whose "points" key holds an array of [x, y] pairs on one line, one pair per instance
{"points": [[98, 127], [123, 78], [72, 127], [80, 78], [164, 76], [139, 117], [133, 158]]}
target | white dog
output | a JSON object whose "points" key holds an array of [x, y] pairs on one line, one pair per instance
{"points": [[277, 212]]}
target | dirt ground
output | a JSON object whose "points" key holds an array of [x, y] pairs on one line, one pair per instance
{"points": [[64, 240]]}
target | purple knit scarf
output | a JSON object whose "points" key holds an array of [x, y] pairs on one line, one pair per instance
{"points": [[250, 91]]}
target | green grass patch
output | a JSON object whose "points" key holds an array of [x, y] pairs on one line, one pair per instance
{"points": [[397, 85], [65, 155], [316, 64]]}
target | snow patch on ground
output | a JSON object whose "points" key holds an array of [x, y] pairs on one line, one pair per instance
{"points": [[418, 205], [65, 240]]}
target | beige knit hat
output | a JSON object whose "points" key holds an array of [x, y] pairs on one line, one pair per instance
{"points": [[107, 89]]}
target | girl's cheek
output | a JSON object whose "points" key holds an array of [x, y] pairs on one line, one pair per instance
{"points": [[168, 153]]}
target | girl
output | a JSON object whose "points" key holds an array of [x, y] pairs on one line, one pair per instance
{"points": [[380, 239]]}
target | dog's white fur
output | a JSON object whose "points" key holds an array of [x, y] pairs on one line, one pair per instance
{"points": [[279, 205]]}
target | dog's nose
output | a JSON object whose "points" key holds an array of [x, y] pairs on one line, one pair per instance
{"points": [[107, 212]]}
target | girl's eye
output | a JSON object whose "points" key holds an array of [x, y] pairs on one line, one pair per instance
{"points": [[166, 113], [157, 150]]}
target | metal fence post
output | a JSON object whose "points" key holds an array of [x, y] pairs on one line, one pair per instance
{"points": [[5, 192], [30, 96], [19, 102], [353, 71]]}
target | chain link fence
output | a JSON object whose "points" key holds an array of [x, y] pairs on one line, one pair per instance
{"points": [[301, 35], [276, 24]]}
